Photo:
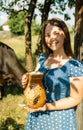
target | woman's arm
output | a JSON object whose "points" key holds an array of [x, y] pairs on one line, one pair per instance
{"points": [[76, 95], [24, 80]]}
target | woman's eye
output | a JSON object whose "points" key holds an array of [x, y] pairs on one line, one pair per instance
{"points": [[47, 35], [56, 33]]}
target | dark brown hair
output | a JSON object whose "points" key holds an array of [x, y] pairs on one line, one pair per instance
{"points": [[67, 43]]}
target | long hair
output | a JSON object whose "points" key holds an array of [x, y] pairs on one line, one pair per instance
{"points": [[67, 43]]}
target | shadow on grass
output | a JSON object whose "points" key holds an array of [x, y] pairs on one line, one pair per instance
{"points": [[10, 124], [13, 90]]}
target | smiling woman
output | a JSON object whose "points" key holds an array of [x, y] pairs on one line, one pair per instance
{"points": [[62, 80]]}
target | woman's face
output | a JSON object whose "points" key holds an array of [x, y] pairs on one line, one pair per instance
{"points": [[54, 37]]}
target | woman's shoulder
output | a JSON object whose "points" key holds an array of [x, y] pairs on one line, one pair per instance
{"points": [[42, 57], [75, 62], [75, 67]]}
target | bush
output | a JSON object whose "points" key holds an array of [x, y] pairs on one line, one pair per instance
{"points": [[1, 28], [16, 23]]}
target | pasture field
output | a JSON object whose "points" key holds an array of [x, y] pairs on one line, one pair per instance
{"points": [[12, 114], [18, 44]]}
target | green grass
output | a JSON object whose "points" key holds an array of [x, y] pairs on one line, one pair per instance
{"points": [[18, 44], [12, 115]]}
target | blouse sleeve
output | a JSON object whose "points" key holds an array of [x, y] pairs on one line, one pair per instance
{"points": [[75, 68], [41, 61], [41, 58]]}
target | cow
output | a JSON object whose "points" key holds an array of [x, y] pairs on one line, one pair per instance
{"points": [[11, 70]]}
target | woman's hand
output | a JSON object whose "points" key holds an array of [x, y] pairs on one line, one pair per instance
{"points": [[35, 109], [24, 80]]}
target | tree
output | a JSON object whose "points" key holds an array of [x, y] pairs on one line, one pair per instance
{"points": [[78, 45], [45, 11], [78, 28], [28, 21], [16, 23]]}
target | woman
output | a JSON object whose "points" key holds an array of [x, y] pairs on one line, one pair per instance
{"points": [[63, 81]]}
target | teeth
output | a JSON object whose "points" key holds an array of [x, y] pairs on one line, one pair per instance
{"points": [[54, 42]]}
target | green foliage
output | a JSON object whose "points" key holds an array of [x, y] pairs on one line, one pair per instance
{"points": [[16, 23], [12, 116], [60, 7], [57, 6], [66, 17], [35, 28], [71, 3], [1, 28]]}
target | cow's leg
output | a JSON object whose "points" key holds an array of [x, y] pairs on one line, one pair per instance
{"points": [[2, 91]]}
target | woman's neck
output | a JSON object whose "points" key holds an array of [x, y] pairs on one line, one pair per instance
{"points": [[59, 56]]}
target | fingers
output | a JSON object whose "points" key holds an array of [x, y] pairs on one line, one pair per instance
{"points": [[24, 80], [35, 110], [30, 109]]}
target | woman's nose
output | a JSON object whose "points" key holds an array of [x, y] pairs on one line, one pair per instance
{"points": [[52, 37]]}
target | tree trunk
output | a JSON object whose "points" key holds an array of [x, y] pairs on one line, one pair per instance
{"points": [[78, 28], [78, 50], [28, 21], [79, 115], [45, 13]]}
